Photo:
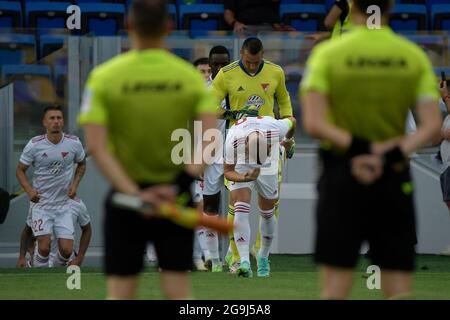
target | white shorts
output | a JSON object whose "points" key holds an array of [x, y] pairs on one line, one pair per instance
{"points": [[198, 191], [266, 186], [213, 179], [47, 222]]}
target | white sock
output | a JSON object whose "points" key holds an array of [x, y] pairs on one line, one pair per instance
{"points": [[267, 225], [242, 229], [151, 254], [212, 242], [60, 261], [40, 261], [202, 241], [197, 250]]}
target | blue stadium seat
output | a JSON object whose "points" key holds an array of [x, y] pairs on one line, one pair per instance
{"points": [[201, 18], [411, 1], [431, 3], [440, 17], [10, 14], [409, 17], [32, 85], [50, 43], [303, 17], [102, 19], [17, 48], [304, 1], [437, 72], [25, 69], [78, 2], [67, 2], [46, 15]]}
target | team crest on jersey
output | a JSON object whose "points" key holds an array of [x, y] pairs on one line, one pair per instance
{"points": [[255, 100], [265, 86], [64, 154]]}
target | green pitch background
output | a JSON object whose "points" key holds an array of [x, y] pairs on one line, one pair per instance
{"points": [[292, 277]]}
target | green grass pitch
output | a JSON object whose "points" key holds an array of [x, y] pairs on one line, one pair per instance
{"points": [[292, 277]]}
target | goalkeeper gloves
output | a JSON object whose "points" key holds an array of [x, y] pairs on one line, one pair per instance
{"points": [[290, 153], [238, 114]]}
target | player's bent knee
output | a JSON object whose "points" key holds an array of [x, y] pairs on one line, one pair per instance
{"points": [[65, 252], [44, 251]]}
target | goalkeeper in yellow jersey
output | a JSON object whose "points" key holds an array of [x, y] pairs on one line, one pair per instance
{"points": [[252, 84]]}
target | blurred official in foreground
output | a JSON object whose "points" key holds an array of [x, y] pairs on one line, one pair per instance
{"points": [[132, 105], [356, 95]]}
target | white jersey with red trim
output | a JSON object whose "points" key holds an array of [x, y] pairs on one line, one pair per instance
{"points": [[54, 166], [274, 131]]}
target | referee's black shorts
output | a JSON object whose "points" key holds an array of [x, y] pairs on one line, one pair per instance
{"points": [[349, 213], [126, 234]]}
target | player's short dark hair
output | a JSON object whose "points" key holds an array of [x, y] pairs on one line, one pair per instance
{"points": [[200, 61], [252, 45], [55, 107], [219, 50], [149, 17], [362, 5]]}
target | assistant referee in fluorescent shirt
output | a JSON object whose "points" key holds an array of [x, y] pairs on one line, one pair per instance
{"points": [[356, 94]]}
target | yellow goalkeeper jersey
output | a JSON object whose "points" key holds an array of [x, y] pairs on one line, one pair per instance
{"points": [[259, 90]]}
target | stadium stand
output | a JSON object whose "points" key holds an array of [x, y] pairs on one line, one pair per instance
{"points": [[45, 15], [17, 48], [201, 18], [102, 19], [409, 17], [10, 14], [49, 43], [440, 17], [303, 17]]}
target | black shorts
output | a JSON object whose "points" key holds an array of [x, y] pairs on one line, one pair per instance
{"points": [[445, 184], [126, 234], [349, 213]]}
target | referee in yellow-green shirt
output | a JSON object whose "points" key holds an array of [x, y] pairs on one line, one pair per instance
{"points": [[132, 105], [356, 94]]}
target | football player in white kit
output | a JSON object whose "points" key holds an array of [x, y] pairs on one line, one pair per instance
{"points": [[53, 156], [80, 217], [251, 162]]}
